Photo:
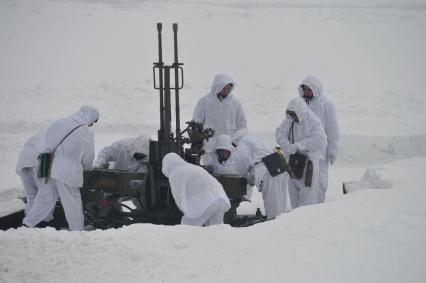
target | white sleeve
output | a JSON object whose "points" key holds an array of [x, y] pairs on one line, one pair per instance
{"points": [[281, 135], [88, 152], [199, 112], [331, 128], [241, 117], [316, 141], [242, 158]]}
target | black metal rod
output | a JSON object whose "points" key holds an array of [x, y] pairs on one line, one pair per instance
{"points": [[176, 67], [161, 82], [167, 104]]}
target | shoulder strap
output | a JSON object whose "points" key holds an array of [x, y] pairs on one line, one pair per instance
{"points": [[291, 133], [67, 136]]}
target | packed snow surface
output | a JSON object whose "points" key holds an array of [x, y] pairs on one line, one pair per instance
{"points": [[368, 236], [58, 55]]}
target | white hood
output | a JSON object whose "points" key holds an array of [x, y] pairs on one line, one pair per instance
{"points": [[224, 142], [219, 82], [139, 144], [298, 105], [314, 84], [170, 162], [86, 115]]}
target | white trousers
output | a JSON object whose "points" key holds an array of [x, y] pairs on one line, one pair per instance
{"points": [[213, 215], [45, 202], [323, 178], [301, 195], [28, 179], [274, 194], [31, 183]]}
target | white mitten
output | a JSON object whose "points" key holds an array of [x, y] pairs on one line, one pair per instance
{"points": [[332, 155]]}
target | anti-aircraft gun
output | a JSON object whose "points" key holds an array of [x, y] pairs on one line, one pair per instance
{"points": [[104, 191]]}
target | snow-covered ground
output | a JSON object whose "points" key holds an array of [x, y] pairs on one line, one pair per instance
{"points": [[57, 55]]}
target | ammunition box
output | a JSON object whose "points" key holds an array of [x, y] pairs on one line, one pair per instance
{"points": [[235, 187]]}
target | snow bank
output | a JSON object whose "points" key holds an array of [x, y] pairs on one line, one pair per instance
{"points": [[361, 149], [368, 236], [370, 180]]}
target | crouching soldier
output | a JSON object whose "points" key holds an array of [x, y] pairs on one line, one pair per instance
{"points": [[197, 194], [248, 155], [129, 154]]}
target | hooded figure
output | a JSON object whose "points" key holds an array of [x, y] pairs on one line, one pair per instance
{"points": [[26, 168], [225, 165], [219, 110], [302, 133], [228, 166], [73, 145], [326, 112], [248, 159], [198, 195], [129, 154]]}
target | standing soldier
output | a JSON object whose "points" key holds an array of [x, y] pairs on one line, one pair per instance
{"points": [[219, 110], [311, 91], [302, 138], [71, 145]]}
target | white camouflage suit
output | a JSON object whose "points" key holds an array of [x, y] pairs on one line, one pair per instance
{"points": [[229, 167], [121, 153], [310, 140], [75, 154], [326, 112], [225, 116], [248, 157], [197, 194]]}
